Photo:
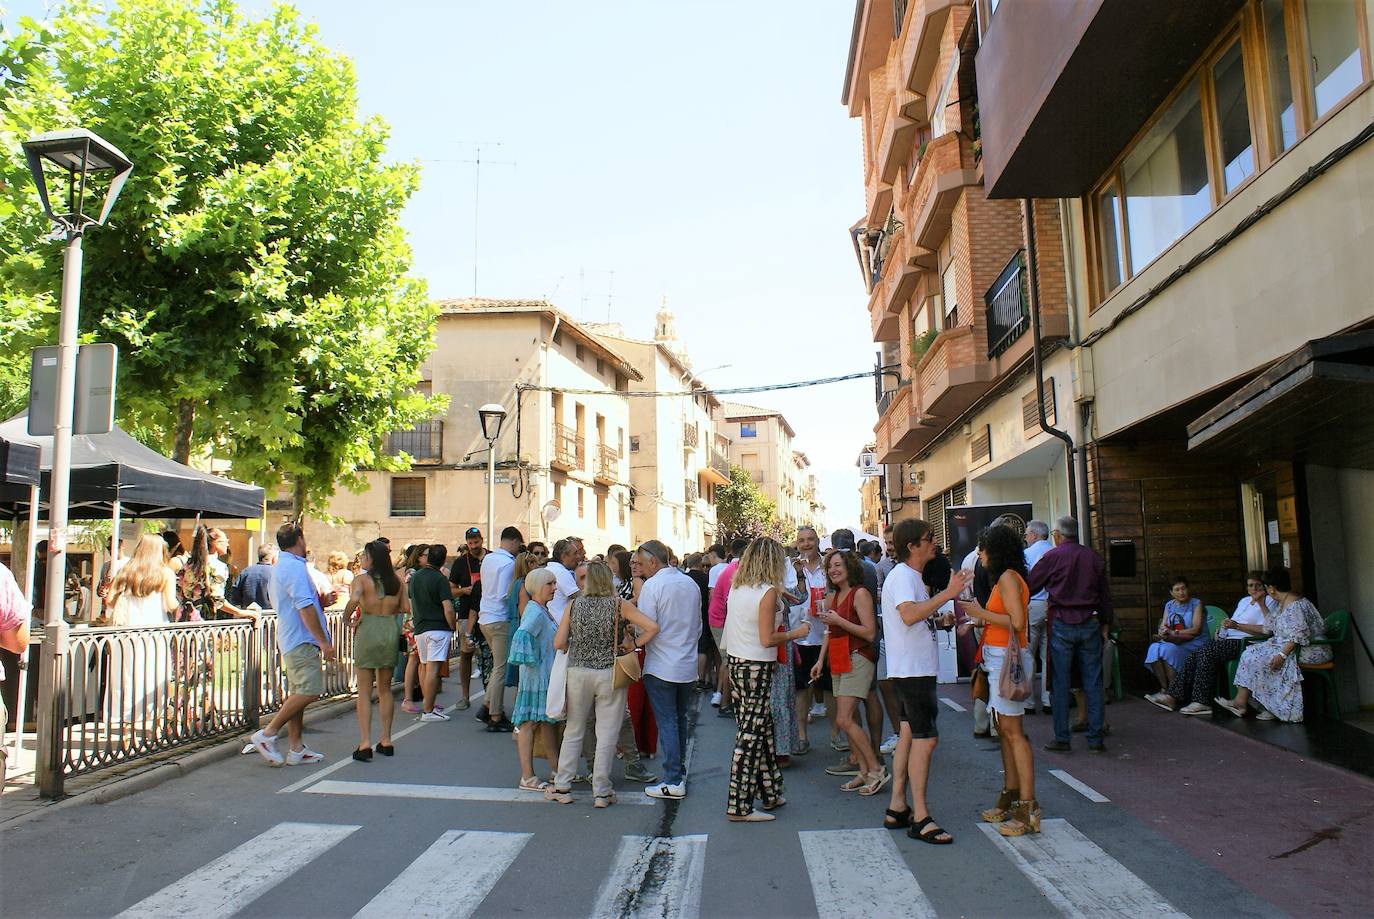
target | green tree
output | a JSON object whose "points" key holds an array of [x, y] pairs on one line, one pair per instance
{"points": [[743, 510], [253, 272]]}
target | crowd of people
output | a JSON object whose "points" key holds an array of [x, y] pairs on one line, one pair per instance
{"points": [[592, 658]]}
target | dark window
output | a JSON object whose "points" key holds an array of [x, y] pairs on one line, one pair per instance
{"points": [[408, 497]]}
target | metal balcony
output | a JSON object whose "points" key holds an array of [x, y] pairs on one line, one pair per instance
{"points": [[568, 451], [423, 443], [1008, 311]]}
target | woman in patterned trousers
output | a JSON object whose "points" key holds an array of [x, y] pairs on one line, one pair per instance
{"points": [[751, 640]]}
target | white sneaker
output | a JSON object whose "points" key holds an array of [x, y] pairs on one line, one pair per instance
{"points": [[436, 715], [715, 699], [667, 792], [817, 711], [439, 708], [889, 746], [303, 757], [267, 746]]}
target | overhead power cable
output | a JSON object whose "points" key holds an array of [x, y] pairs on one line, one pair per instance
{"points": [[679, 393]]}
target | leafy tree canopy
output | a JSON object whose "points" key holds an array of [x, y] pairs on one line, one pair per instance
{"points": [[253, 271], [743, 510]]}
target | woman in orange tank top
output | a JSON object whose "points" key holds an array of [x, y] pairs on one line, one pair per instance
{"points": [[1016, 811]]}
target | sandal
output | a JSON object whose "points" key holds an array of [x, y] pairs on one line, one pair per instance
{"points": [[1024, 819], [1002, 809], [877, 781], [917, 831], [533, 783], [558, 796], [775, 805], [604, 800], [896, 820], [854, 784]]}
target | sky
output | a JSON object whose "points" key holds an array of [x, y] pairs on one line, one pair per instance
{"points": [[696, 151]]}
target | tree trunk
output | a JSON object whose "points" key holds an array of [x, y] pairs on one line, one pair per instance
{"points": [[298, 498], [186, 420]]}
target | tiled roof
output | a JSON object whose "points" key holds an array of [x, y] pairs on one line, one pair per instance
{"points": [[467, 306]]}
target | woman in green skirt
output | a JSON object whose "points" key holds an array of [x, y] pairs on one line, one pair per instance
{"points": [[374, 603]]}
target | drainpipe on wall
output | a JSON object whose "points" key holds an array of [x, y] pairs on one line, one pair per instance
{"points": [[1033, 293], [1085, 409]]}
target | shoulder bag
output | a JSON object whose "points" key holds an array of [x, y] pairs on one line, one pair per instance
{"points": [[1013, 682], [626, 669]]}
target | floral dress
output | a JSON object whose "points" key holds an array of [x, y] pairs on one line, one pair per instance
{"points": [[532, 647], [1280, 691]]}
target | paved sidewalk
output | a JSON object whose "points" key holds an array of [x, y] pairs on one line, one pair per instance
{"points": [[1293, 830]]}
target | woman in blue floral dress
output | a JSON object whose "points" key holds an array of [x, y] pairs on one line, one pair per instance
{"points": [[1182, 630], [532, 648]]}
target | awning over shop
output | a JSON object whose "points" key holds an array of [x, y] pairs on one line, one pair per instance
{"points": [[106, 467], [1313, 406]]}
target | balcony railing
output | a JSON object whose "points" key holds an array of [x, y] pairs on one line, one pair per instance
{"points": [[692, 491], [885, 401], [568, 451], [423, 443], [607, 463], [691, 436], [720, 462], [1008, 311]]}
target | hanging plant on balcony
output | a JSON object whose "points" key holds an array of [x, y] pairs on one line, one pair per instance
{"points": [[921, 344]]}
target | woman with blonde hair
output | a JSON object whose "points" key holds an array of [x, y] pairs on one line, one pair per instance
{"points": [[340, 577], [142, 594], [594, 631], [531, 649], [751, 641]]}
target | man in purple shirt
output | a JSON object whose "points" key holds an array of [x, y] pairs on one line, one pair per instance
{"points": [[1080, 612]]}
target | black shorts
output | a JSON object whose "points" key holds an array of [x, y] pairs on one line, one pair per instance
{"points": [[920, 708], [809, 654]]}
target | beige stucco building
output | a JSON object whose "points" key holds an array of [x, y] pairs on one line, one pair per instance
{"points": [[761, 444], [675, 456], [563, 444]]}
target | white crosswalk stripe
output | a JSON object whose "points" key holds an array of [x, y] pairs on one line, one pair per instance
{"points": [[244, 873], [654, 876], [449, 792], [450, 879], [1075, 875], [847, 886]]}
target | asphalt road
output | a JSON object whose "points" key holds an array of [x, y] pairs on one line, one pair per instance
{"points": [[439, 830]]}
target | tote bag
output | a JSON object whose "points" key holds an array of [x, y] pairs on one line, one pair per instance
{"points": [[1013, 683], [556, 706]]}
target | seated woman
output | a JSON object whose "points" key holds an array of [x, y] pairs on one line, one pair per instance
{"points": [[1268, 674], [1192, 686], [1182, 630]]}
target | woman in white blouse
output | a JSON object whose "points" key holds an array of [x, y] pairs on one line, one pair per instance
{"points": [[1194, 683], [755, 627]]}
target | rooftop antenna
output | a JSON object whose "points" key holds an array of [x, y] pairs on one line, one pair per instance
{"points": [[477, 162]]}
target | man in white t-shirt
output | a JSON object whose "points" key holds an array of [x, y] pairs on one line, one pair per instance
{"points": [[498, 569], [716, 558], [673, 600], [912, 665], [563, 564]]}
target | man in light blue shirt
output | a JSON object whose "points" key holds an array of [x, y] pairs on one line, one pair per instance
{"points": [[673, 600], [498, 569], [304, 642], [1037, 544]]}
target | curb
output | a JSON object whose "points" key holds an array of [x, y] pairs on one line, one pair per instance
{"points": [[172, 769]]}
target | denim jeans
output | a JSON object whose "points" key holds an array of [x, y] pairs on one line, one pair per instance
{"points": [[1081, 642], [669, 702]]}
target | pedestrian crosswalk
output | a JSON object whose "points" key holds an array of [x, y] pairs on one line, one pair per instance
{"points": [[852, 873]]}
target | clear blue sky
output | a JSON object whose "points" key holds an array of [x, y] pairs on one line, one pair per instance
{"points": [[698, 150]]}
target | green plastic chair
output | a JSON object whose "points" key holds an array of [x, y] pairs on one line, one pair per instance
{"points": [[1337, 624], [1215, 615]]}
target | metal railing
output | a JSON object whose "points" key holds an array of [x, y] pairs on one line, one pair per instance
{"points": [[691, 435], [567, 447], [1008, 311], [691, 490], [422, 443], [607, 462], [720, 462], [126, 693]]}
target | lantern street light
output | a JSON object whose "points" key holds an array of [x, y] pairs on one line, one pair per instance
{"points": [[491, 416], [75, 155]]}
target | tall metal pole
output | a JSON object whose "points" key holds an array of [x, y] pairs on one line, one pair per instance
{"points": [[52, 657], [491, 492]]}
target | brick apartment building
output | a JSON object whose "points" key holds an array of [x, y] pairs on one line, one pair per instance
{"points": [[946, 269]]}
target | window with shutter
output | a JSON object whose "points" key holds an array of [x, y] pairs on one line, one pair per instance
{"points": [[408, 497]]}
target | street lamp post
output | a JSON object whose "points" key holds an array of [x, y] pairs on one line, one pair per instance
{"points": [[491, 415], [76, 154]]}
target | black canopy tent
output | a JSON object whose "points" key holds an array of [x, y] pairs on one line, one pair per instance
{"points": [[114, 467], [19, 462]]}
